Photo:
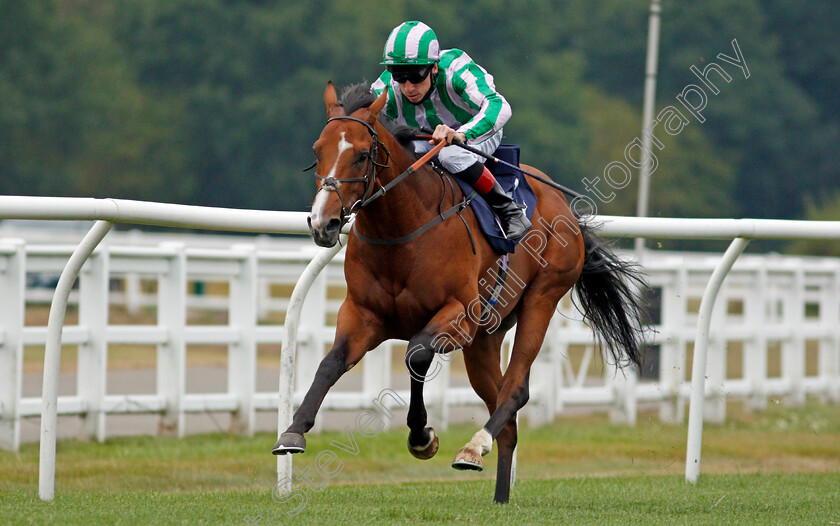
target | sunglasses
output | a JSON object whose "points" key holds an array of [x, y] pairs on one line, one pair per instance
{"points": [[413, 74]]}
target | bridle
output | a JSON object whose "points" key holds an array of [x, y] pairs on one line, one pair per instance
{"points": [[369, 179], [331, 184]]}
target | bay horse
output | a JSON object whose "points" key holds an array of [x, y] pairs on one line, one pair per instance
{"points": [[425, 288]]}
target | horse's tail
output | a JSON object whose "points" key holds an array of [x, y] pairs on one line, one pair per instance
{"points": [[609, 290]]}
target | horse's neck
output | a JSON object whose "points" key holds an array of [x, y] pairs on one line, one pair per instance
{"points": [[408, 205]]}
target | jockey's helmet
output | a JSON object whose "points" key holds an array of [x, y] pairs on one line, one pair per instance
{"points": [[411, 43]]}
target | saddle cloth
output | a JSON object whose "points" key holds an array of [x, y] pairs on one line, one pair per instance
{"points": [[515, 184]]}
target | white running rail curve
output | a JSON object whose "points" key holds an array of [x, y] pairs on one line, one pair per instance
{"points": [[107, 212]]}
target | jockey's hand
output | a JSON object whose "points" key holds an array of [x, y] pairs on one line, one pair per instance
{"points": [[445, 133]]}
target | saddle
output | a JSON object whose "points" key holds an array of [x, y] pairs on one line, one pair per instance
{"points": [[515, 184]]}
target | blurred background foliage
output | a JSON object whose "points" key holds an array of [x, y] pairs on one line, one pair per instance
{"points": [[217, 102]]}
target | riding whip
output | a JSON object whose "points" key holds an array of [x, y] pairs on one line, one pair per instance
{"points": [[558, 186]]}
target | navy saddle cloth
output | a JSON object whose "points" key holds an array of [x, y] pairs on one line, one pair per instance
{"points": [[515, 184]]}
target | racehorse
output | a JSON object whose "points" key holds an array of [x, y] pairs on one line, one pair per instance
{"points": [[426, 286]]}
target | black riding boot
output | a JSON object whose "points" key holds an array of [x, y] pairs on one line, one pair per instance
{"points": [[511, 215]]}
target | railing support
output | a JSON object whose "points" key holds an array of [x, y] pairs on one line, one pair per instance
{"points": [[242, 356], [171, 377], [287, 356], [698, 368], [52, 356]]}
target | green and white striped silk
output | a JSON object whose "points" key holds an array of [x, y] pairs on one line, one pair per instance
{"points": [[464, 98], [411, 43]]}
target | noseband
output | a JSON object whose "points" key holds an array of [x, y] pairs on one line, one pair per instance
{"points": [[369, 179]]}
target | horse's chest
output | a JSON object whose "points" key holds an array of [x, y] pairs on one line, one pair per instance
{"points": [[407, 299]]}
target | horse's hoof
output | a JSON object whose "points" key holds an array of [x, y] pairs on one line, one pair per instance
{"points": [[428, 451], [467, 459], [289, 443]]}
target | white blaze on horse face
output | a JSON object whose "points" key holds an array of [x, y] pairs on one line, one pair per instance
{"points": [[318, 209], [316, 216], [343, 146]]}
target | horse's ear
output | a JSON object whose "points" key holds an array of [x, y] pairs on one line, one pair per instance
{"points": [[331, 100], [377, 106]]}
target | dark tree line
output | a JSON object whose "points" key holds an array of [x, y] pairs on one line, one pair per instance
{"points": [[217, 102]]}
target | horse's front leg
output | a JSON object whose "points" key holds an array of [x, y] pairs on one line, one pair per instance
{"points": [[438, 336], [357, 332]]}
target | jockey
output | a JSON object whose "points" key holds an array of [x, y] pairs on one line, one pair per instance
{"points": [[447, 91]]}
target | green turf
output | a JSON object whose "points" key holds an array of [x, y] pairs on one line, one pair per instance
{"points": [[719, 499], [776, 467]]}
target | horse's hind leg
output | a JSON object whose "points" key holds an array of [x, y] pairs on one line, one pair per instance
{"points": [[356, 334], [482, 360], [534, 316]]}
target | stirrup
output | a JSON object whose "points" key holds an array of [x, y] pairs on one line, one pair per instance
{"points": [[516, 225]]}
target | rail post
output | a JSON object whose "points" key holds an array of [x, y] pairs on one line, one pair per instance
{"points": [[698, 370], [286, 391], [242, 355], [93, 355], [12, 289], [52, 356], [171, 355]]}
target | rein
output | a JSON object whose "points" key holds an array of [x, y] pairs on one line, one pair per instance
{"points": [[369, 179], [440, 218], [410, 170]]}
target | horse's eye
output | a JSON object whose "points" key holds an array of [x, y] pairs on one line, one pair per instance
{"points": [[364, 156]]}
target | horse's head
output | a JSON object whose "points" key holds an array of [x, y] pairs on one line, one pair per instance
{"points": [[345, 166]]}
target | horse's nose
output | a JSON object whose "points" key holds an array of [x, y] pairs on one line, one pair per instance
{"points": [[333, 227], [327, 235]]}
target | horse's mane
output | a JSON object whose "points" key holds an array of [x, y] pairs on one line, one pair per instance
{"points": [[360, 95], [356, 96]]}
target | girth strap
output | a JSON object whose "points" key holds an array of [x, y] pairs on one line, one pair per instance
{"points": [[497, 289]]}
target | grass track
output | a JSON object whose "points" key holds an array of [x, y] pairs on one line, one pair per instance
{"points": [[777, 467], [667, 500]]}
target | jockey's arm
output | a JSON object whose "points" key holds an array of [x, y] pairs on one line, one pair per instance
{"points": [[478, 90]]}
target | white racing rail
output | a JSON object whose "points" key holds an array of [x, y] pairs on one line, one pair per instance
{"points": [[107, 212]]}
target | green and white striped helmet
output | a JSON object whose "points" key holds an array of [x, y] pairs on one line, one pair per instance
{"points": [[411, 43]]}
